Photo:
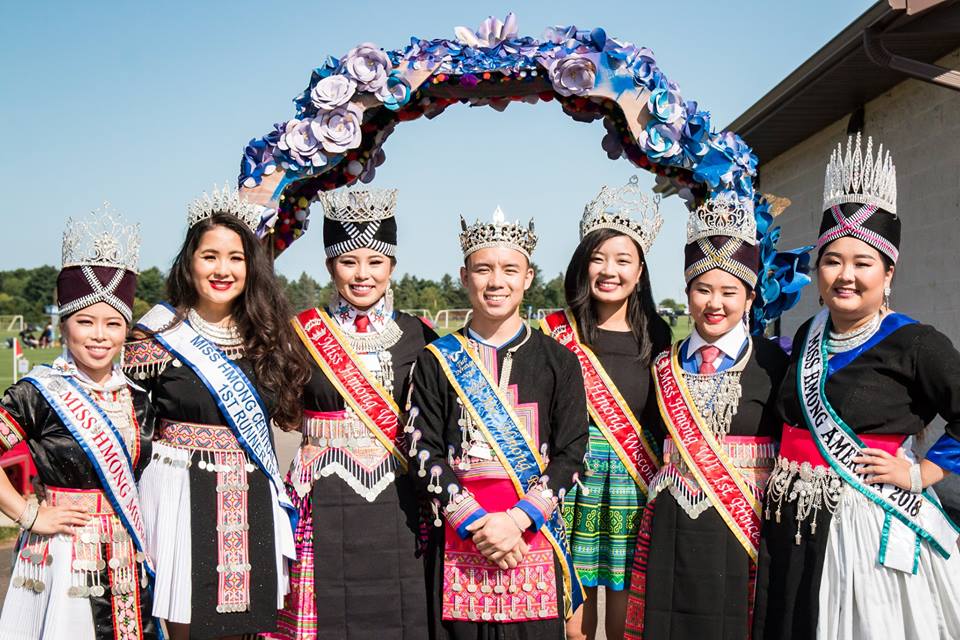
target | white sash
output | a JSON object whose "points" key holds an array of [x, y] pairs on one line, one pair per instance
{"points": [[100, 440], [236, 396], [908, 517]]}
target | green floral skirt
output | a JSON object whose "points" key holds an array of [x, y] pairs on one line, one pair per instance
{"points": [[602, 522]]}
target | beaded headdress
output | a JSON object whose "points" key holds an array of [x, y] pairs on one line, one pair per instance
{"points": [[359, 219], [615, 209], [100, 254], [497, 233], [860, 198], [722, 234], [226, 201]]}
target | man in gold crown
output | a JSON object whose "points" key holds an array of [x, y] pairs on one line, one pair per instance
{"points": [[499, 428]]}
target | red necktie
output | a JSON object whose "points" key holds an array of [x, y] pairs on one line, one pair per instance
{"points": [[708, 355], [361, 323]]}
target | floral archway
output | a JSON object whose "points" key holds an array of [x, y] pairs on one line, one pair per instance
{"points": [[352, 105]]}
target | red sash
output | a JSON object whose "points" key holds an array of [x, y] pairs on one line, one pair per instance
{"points": [[607, 407], [704, 456], [369, 400]]}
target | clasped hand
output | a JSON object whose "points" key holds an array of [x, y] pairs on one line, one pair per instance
{"points": [[499, 538]]}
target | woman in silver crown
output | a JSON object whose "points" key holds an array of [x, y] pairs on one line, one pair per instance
{"points": [[696, 550], [220, 362], [855, 544], [358, 573], [80, 571]]}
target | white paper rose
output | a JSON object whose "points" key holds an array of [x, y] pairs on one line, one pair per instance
{"points": [[332, 91], [574, 75], [301, 144], [369, 66], [338, 130]]}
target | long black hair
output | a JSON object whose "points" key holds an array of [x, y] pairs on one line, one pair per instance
{"points": [[651, 331], [261, 313]]}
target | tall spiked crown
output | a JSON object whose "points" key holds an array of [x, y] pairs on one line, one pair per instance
{"points": [[615, 208], [497, 233], [100, 254], [860, 198], [227, 201], [722, 234], [359, 219]]}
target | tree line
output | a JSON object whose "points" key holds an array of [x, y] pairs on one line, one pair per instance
{"points": [[27, 292]]}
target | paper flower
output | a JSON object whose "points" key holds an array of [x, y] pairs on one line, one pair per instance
{"points": [[332, 91], [338, 130], [667, 106], [301, 144], [258, 160], [659, 141], [369, 66], [398, 91], [574, 75], [696, 132], [644, 67], [491, 32]]}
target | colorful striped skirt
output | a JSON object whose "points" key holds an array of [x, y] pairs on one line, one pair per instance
{"points": [[602, 522]]}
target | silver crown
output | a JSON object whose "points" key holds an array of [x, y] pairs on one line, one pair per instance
{"points": [[851, 177], [612, 209], [723, 214], [226, 201], [101, 239], [356, 205], [498, 233]]}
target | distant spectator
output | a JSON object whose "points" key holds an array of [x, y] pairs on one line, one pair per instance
{"points": [[46, 338], [28, 339]]}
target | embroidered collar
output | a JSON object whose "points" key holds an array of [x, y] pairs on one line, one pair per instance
{"points": [[65, 365], [345, 313], [473, 335], [731, 343]]}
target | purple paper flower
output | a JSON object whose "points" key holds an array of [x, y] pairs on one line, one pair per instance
{"points": [[491, 32], [339, 129], [369, 66], [332, 91], [301, 145], [574, 75]]}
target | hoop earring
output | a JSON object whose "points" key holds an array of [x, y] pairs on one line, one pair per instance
{"points": [[886, 297]]}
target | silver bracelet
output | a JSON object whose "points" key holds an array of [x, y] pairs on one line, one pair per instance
{"points": [[29, 516], [510, 515], [916, 481]]}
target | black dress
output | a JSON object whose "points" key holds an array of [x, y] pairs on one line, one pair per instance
{"points": [[62, 463], [691, 574], [547, 386], [368, 573], [896, 386], [180, 396]]}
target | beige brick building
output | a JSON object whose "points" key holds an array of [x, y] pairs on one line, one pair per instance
{"points": [[889, 75]]}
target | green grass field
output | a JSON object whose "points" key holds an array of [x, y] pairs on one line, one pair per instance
{"points": [[34, 356]]}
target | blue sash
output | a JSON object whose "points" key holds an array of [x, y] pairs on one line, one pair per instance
{"points": [[494, 416], [908, 518], [237, 398], [98, 437]]}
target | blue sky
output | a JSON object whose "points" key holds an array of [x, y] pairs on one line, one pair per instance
{"points": [[148, 104]]}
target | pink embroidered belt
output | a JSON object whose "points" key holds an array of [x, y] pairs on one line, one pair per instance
{"points": [[198, 437], [220, 453], [799, 446]]}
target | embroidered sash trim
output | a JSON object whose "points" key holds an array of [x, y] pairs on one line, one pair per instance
{"points": [[101, 442], [11, 433], [704, 456], [368, 399], [237, 398], [839, 444], [610, 412], [502, 429]]}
